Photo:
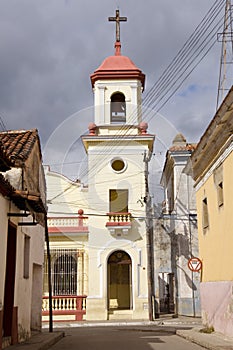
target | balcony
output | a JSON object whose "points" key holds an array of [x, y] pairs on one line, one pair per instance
{"points": [[69, 225], [119, 223]]}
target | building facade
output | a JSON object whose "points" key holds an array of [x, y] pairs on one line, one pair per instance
{"points": [[105, 255], [176, 235], [22, 215], [116, 147], [212, 164], [68, 236]]}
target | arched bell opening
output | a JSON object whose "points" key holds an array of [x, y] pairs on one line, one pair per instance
{"points": [[119, 281], [118, 108]]}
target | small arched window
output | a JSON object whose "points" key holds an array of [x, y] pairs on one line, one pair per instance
{"points": [[118, 108]]}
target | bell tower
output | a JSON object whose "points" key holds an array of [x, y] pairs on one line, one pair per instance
{"points": [[116, 147], [117, 84]]}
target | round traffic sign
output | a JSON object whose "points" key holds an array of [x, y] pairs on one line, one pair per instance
{"points": [[195, 264]]}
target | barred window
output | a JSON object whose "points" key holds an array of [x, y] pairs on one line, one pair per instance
{"points": [[63, 272], [65, 275]]}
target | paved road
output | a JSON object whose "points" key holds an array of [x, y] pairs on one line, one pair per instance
{"points": [[123, 338]]}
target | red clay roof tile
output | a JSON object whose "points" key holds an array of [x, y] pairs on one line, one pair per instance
{"points": [[16, 145]]}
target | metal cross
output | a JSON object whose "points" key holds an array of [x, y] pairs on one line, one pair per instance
{"points": [[117, 19]]}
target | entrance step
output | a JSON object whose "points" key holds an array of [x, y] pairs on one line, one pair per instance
{"points": [[6, 341], [120, 314]]}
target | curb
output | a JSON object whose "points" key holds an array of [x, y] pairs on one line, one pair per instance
{"points": [[51, 339], [213, 341], [39, 341]]}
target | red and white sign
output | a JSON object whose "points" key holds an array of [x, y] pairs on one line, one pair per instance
{"points": [[195, 264]]}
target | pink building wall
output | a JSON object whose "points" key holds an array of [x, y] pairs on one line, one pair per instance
{"points": [[217, 305]]}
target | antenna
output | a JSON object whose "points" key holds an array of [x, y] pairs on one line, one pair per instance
{"points": [[226, 60]]}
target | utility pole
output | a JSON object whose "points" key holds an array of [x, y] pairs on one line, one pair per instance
{"points": [[49, 274], [149, 238], [226, 59]]}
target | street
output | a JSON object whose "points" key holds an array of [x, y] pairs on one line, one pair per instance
{"points": [[123, 338]]}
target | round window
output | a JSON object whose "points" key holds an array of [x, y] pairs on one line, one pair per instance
{"points": [[118, 165]]}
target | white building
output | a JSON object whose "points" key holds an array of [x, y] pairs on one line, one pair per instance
{"points": [[113, 239], [176, 236], [116, 147]]}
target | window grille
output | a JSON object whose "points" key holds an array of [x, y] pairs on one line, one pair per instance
{"points": [[63, 271]]}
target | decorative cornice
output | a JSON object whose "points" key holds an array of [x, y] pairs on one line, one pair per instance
{"points": [[223, 154]]}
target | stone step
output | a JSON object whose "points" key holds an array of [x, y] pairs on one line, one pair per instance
{"points": [[120, 315]]}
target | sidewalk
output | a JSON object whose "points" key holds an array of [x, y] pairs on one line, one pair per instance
{"points": [[213, 341], [39, 341]]}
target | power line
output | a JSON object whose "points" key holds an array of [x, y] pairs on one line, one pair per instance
{"points": [[185, 51], [187, 59]]}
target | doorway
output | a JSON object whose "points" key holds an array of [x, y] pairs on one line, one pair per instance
{"points": [[119, 281], [9, 291], [166, 292]]}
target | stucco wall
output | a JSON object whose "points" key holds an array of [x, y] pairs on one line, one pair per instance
{"points": [[217, 305], [4, 205], [102, 243], [24, 286], [216, 241]]}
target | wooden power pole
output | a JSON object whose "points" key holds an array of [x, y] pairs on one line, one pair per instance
{"points": [[149, 239], [226, 59]]}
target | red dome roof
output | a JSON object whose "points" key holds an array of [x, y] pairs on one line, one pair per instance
{"points": [[117, 67]]}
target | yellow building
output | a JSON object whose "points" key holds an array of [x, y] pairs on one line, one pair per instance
{"points": [[212, 163]]}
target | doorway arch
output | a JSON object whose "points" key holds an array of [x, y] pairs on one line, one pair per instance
{"points": [[119, 281]]}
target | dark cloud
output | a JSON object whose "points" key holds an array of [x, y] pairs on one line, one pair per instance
{"points": [[49, 48]]}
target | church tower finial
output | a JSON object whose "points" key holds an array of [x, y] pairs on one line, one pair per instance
{"points": [[117, 19]]}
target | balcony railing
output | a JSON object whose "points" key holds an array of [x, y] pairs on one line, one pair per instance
{"points": [[119, 219], [65, 307], [74, 224]]}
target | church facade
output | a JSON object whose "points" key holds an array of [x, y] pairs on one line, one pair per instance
{"points": [[116, 146], [105, 244], [108, 253]]}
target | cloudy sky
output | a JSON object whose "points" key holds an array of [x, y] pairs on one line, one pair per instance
{"points": [[49, 48]]}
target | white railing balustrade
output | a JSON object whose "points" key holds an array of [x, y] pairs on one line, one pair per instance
{"points": [[71, 222], [62, 303], [119, 217]]}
